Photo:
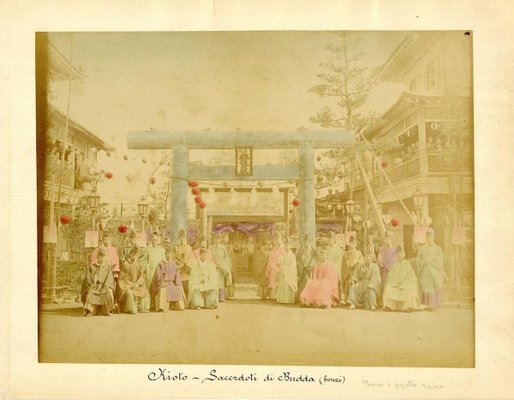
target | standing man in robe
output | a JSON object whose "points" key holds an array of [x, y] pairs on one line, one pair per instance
{"points": [[287, 280], [305, 260], [430, 264], [166, 288], [154, 254], [220, 257], [203, 283], [232, 264], [184, 258], [272, 268], [386, 259], [335, 255], [351, 259]]}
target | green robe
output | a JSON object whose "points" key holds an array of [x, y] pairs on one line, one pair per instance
{"points": [[430, 264]]}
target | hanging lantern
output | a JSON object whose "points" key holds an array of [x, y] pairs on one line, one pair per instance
{"points": [[195, 191], [151, 180], [384, 164], [318, 158], [296, 202], [202, 205], [65, 219], [395, 222], [122, 228], [198, 199], [125, 157], [108, 175], [193, 184], [144, 160]]}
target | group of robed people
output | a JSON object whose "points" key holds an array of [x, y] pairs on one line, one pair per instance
{"points": [[161, 277], [156, 277], [327, 276]]}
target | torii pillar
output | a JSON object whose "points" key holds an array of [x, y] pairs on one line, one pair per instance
{"points": [[179, 191], [306, 192]]}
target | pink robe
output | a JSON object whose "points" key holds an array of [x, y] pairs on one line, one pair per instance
{"points": [[272, 269], [322, 286]]}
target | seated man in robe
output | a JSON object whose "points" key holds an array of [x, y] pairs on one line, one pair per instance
{"points": [[401, 290], [98, 287], [203, 283], [321, 289], [132, 285], [365, 285], [166, 287]]}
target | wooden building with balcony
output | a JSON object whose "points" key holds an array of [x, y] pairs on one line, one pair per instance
{"points": [[424, 142]]}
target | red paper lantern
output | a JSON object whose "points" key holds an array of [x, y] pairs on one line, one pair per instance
{"points": [[122, 228], [151, 180], [198, 199], [125, 157], [296, 202], [395, 222], [195, 191], [65, 219], [384, 164], [193, 184], [202, 205], [108, 175]]}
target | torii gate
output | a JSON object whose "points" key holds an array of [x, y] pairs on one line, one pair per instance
{"points": [[182, 142]]}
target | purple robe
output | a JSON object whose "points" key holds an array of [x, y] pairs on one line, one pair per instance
{"points": [[167, 275], [387, 257]]}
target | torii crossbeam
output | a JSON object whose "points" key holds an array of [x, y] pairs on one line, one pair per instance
{"points": [[182, 142]]}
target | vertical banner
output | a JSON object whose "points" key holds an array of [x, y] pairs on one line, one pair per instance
{"points": [[458, 236], [420, 234], [141, 239], [91, 239], [50, 234]]}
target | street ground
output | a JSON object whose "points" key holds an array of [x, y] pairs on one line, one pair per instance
{"points": [[251, 331]]}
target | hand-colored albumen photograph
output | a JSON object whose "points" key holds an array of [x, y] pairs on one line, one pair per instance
{"points": [[296, 198]]}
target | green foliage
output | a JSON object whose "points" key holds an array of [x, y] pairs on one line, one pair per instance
{"points": [[348, 83]]}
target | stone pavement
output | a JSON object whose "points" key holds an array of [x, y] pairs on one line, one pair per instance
{"points": [[248, 330]]}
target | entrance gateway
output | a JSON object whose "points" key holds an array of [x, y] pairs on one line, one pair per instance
{"points": [[181, 142]]}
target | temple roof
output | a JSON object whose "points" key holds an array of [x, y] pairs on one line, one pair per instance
{"points": [[406, 55]]}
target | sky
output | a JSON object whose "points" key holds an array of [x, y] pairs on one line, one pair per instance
{"points": [[203, 80]]}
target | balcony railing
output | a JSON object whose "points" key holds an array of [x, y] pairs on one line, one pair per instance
{"points": [[406, 170], [439, 163]]}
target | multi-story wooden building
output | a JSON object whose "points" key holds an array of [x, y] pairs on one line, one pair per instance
{"points": [[62, 143], [424, 142]]}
